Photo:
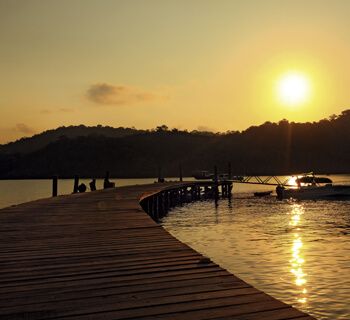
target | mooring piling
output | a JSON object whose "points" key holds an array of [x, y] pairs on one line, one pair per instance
{"points": [[54, 186], [76, 184]]}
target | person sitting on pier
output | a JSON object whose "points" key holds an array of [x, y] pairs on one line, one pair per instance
{"points": [[82, 188], [106, 183], [92, 184]]}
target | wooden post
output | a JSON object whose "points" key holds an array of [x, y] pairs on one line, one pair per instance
{"points": [[76, 184], [180, 172], [170, 203], [160, 178], [149, 207], [166, 201], [54, 186], [183, 195], [230, 187], [216, 187], [156, 205], [161, 205], [206, 191]]}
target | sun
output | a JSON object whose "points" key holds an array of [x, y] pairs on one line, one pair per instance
{"points": [[293, 89]]}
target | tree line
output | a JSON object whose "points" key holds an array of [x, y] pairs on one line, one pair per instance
{"points": [[271, 148]]}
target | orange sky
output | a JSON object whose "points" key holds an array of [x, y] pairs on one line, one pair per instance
{"points": [[187, 64]]}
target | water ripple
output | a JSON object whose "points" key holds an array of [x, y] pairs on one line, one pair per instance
{"points": [[297, 252]]}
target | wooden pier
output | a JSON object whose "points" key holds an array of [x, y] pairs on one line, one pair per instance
{"points": [[98, 255]]}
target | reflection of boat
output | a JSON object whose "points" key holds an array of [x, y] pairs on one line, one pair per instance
{"points": [[262, 193], [203, 175], [311, 187]]}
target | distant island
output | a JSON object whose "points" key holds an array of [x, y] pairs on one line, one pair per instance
{"points": [[271, 148]]}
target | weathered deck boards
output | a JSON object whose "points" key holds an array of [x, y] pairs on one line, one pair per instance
{"points": [[99, 256]]}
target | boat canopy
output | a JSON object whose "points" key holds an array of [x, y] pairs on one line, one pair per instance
{"points": [[313, 179]]}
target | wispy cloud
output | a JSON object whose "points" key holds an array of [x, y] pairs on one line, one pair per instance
{"points": [[66, 110], [45, 111], [103, 93], [205, 129], [23, 128], [50, 111]]}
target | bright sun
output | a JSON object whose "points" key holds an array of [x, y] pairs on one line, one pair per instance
{"points": [[293, 89]]}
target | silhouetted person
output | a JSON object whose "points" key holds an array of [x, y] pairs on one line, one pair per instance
{"points": [[92, 185], [76, 184], [279, 191], [82, 188], [107, 183]]}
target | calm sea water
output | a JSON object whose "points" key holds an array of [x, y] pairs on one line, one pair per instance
{"points": [[298, 252], [18, 191]]}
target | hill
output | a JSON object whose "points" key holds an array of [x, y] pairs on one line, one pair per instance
{"points": [[41, 140], [271, 148]]}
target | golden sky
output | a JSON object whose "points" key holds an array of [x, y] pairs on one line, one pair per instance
{"points": [[190, 64]]}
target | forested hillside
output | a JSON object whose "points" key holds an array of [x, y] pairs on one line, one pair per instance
{"points": [[271, 148], [38, 141]]}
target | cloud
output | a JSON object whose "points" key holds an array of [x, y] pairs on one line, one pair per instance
{"points": [[23, 128], [120, 95], [205, 129], [65, 110]]}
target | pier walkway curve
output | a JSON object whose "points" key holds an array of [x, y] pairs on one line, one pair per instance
{"points": [[98, 255]]}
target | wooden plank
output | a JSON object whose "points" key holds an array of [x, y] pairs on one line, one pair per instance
{"points": [[88, 269], [133, 301], [99, 256], [140, 278], [237, 312], [279, 314], [125, 286], [159, 289]]}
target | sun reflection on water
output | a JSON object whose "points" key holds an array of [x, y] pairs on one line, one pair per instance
{"points": [[297, 261]]}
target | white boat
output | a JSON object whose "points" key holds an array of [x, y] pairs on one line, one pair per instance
{"points": [[203, 175], [310, 187]]}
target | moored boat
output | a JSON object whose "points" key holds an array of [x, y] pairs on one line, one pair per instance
{"points": [[203, 175], [310, 187]]}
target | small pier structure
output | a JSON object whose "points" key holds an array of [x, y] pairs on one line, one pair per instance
{"points": [[158, 204], [99, 256]]}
